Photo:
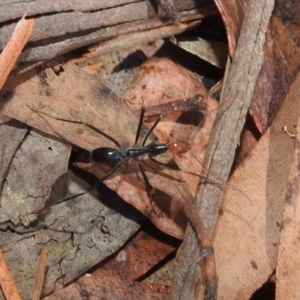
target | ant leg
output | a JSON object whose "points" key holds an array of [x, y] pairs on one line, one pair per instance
{"points": [[149, 187], [94, 186], [78, 122], [114, 170], [151, 129], [140, 125], [172, 165], [104, 134]]}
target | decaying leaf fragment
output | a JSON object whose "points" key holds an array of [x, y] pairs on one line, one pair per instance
{"points": [[14, 47]]}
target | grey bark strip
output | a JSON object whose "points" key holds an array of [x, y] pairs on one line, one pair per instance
{"points": [[236, 97]]}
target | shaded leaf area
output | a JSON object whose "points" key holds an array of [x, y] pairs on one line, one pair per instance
{"points": [[79, 234], [146, 249], [232, 13], [25, 187], [278, 73]]}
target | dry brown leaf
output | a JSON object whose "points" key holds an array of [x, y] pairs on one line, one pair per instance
{"points": [[248, 231], [110, 288], [288, 267]]}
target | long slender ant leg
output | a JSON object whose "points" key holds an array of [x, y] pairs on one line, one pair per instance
{"points": [[150, 130], [114, 170], [140, 125], [104, 134], [149, 187], [94, 186], [78, 122], [172, 165]]}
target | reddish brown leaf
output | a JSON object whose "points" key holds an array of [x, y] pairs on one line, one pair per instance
{"points": [[279, 71], [232, 13], [287, 274], [138, 256], [109, 288], [248, 230]]}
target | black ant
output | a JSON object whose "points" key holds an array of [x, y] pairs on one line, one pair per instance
{"points": [[108, 155]]}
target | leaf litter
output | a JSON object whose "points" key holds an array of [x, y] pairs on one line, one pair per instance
{"points": [[50, 117], [227, 209]]}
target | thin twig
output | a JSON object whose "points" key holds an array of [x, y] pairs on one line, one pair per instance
{"points": [[40, 274], [7, 283], [14, 47]]}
